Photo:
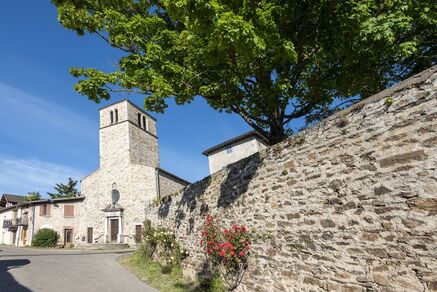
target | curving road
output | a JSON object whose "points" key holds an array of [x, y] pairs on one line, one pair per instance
{"points": [[46, 270]]}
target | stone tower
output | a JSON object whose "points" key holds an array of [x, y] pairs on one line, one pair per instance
{"points": [[127, 135], [128, 180]]}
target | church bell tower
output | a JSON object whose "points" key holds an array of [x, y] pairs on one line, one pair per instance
{"points": [[127, 136]]}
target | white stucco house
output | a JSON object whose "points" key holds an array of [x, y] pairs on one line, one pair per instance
{"points": [[234, 149]]}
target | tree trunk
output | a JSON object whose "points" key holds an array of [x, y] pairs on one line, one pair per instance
{"points": [[277, 133]]}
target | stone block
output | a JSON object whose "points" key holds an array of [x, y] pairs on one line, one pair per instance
{"points": [[418, 155], [327, 223], [426, 204]]}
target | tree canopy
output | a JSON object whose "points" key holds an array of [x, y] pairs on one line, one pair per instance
{"points": [[269, 61], [65, 190], [32, 196]]}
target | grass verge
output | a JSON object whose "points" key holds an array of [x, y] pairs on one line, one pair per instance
{"points": [[150, 272]]}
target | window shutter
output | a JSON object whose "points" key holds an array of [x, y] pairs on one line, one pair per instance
{"points": [[40, 210], [49, 210], [68, 210]]}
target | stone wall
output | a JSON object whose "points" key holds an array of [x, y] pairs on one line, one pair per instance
{"points": [[143, 147], [169, 184], [350, 203]]}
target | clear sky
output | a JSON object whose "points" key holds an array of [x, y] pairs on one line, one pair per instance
{"points": [[48, 132]]}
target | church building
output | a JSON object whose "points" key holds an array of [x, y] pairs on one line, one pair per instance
{"points": [[128, 179], [111, 208]]}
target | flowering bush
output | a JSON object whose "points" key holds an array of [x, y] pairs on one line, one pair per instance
{"points": [[228, 249], [161, 244]]}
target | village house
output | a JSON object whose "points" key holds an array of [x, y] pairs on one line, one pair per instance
{"points": [[234, 149], [20, 221]]}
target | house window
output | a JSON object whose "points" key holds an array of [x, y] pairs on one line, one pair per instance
{"points": [[45, 210], [68, 210], [144, 123], [139, 120], [116, 115], [229, 150], [112, 117]]}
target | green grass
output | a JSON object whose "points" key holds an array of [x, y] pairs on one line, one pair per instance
{"points": [[150, 272]]}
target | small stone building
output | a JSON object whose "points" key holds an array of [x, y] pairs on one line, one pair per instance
{"points": [[234, 149]]}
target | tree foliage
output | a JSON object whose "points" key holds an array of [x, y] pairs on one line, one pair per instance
{"points": [[269, 61], [65, 190], [32, 196]]}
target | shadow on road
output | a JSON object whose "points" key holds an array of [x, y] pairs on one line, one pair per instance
{"points": [[7, 281]]}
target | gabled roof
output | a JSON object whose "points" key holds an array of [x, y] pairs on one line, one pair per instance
{"points": [[234, 141], [13, 199], [174, 177], [42, 201]]}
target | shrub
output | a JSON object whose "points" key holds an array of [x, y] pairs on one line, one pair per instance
{"points": [[213, 283], [45, 237], [227, 249], [161, 244]]}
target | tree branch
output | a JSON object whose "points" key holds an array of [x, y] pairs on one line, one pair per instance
{"points": [[126, 90], [112, 44], [250, 121], [300, 113]]}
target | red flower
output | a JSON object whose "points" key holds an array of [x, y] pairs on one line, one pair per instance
{"points": [[232, 253], [235, 227], [243, 229], [241, 254], [247, 247]]}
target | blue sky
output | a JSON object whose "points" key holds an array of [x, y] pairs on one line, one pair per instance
{"points": [[48, 132]]}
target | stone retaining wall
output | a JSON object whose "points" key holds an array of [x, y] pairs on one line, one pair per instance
{"points": [[350, 203]]}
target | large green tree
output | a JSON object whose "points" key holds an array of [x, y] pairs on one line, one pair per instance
{"points": [[269, 61], [65, 190]]}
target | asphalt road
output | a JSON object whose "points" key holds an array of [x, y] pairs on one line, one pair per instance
{"points": [[50, 270]]}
